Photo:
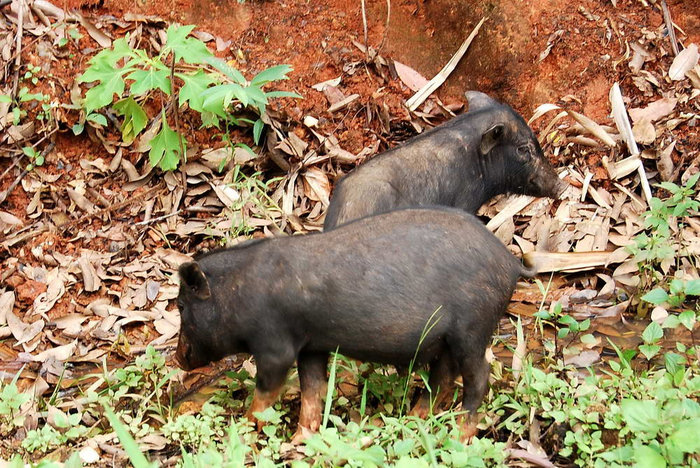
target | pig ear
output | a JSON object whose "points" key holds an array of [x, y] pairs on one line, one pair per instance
{"points": [[478, 100], [491, 138], [193, 277]]}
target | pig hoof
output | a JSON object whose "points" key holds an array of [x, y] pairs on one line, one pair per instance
{"points": [[419, 411], [468, 433], [301, 435]]}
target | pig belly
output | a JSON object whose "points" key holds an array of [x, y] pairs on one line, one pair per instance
{"points": [[368, 339]]}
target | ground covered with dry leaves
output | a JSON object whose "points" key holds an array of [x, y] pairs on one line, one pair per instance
{"points": [[595, 365]]}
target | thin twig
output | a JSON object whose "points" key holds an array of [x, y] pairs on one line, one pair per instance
{"points": [[183, 156], [386, 26], [159, 218], [669, 27], [15, 183], [364, 27], [115, 207], [18, 47]]}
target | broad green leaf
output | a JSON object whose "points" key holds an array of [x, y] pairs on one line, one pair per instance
{"points": [[652, 333], [278, 72], [227, 70], [649, 351], [195, 84], [693, 180], [647, 457], [146, 80], [135, 118], [686, 435], [656, 296], [103, 94], [692, 288], [676, 286], [588, 339], [99, 119], [165, 148], [673, 362], [687, 318], [641, 415], [189, 49], [257, 130], [4, 98], [218, 98]]}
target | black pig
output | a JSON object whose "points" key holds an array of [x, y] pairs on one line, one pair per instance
{"points": [[462, 163], [369, 288]]}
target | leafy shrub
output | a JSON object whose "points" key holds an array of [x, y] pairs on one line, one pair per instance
{"points": [[218, 92]]}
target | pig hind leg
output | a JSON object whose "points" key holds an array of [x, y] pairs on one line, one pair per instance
{"points": [[312, 379], [272, 368], [442, 374], [475, 376]]}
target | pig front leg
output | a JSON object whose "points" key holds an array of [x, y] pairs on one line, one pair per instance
{"points": [[475, 376], [442, 375], [313, 380], [272, 367]]}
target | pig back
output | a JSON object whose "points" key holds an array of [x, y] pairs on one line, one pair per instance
{"points": [[381, 280]]}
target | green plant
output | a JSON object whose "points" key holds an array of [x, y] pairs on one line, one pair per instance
{"points": [[66, 428], [195, 431], [36, 158], [253, 202], [11, 401], [218, 92], [657, 246]]}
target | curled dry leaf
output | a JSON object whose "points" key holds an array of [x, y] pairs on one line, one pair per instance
{"points": [[593, 127], [56, 287], [7, 301], [8, 221], [583, 359], [23, 332], [620, 117], [59, 353], [91, 281], [316, 185], [684, 62]]}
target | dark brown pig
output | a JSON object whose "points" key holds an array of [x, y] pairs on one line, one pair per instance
{"points": [[462, 163], [369, 288]]}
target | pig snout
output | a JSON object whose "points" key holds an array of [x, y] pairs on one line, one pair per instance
{"points": [[550, 186], [183, 354]]}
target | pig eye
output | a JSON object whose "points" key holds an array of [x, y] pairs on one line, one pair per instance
{"points": [[523, 151]]}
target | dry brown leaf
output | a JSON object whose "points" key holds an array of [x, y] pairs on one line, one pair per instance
{"points": [[23, 332], [7, 302], [619, 112], [101, 38], [654, 111], [8, 221], [71, 324], [59, 353], [409, 76], [664, 163], [55, 281], [91, 281], [583, 359], [317, 187], [596, 129], [684, 62], [644, 132]]}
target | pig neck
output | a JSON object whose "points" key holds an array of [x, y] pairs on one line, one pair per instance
{"points": [[484, 180]]}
